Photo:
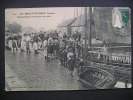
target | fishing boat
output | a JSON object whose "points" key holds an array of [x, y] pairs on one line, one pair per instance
{"points": [[103, 69], [97, 78]]}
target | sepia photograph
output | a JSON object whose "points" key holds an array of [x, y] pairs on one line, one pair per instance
{"points": [[67, 48]]}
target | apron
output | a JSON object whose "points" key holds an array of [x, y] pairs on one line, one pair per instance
{"points": [[10, 44], [35, 46], [45, 47], [23, 44]]}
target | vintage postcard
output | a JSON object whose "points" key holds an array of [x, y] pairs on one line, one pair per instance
{"points": [[67, 48]]}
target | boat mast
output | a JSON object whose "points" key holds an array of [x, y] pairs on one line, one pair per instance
{"points": [[90, 12], [88, 35], [85, 26]]}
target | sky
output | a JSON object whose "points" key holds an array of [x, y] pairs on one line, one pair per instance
{"points": [[57, 15]]}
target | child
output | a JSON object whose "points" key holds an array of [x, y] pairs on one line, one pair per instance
{"points": [[81, 64], [70, 57]]}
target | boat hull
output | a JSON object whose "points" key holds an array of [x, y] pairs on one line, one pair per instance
{"points": [[97, 78]]}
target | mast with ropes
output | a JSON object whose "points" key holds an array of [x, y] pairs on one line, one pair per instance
{"points": [[88, 35], [85, 26], [90, 12]]}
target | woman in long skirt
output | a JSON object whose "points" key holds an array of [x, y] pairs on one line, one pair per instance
{"points": [[35, 47], [45, 43], [28, 44], [28, 47], [39, 44], [23, 44], [14, 45], [10, 44]]}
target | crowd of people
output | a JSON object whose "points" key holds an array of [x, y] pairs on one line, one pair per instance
{"points": [[67, 48]]}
